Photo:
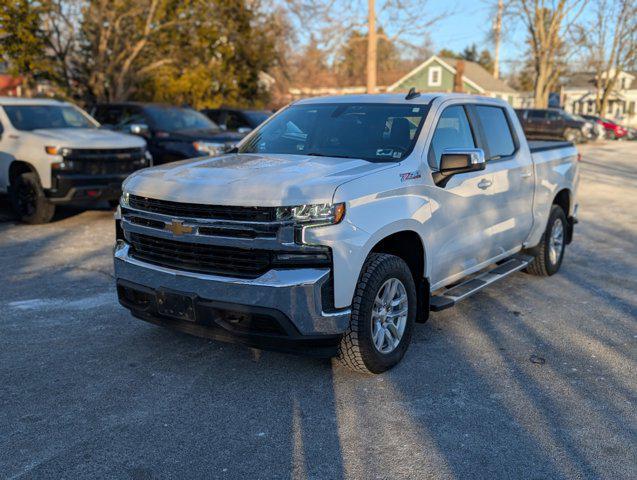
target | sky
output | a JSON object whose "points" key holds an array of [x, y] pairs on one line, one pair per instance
{"points": [[470, 21]]}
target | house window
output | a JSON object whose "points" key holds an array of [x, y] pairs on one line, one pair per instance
{"points": [[435, 76], [631, 108]]}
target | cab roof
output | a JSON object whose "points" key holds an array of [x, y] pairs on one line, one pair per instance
{"points": [[395, 98]]}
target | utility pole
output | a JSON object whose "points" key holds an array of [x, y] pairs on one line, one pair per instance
{"points": [[371, 48], [497, 37]]}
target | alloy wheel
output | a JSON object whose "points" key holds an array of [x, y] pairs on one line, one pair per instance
{"points": [[389, 315], [556, 241]]}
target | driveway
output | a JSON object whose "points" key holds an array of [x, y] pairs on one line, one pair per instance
{"points": [[533, 378]]}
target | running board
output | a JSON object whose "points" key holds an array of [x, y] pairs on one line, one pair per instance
{"points": [[451, 296]]}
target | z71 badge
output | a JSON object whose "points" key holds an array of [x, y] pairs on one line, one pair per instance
{"points": [[409, 176]]}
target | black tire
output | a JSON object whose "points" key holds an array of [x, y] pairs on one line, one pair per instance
{"points": [[357, 350], [28, 200], [544, 264]]}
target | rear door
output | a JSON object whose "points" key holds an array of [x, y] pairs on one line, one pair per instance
{"points": [[513, 181]]}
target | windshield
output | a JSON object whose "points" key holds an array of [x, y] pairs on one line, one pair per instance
{"points": [[374, 132], [173, 119], [33, 117]]}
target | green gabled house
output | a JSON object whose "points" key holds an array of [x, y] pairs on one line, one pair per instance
{"points": [[438, 74]]}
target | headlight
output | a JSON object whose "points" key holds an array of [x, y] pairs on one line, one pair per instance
{"points": [[318, 214], [210, 148], [124, 201], [57, 151]]}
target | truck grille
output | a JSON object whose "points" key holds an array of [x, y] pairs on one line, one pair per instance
{"points": [[106, 161], [200, 258], [193, 210]]}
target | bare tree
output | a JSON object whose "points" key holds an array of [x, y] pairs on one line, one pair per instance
{"points": [[548, 22], [610, 41]]}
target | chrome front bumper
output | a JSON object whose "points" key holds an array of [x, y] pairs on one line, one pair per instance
{"points": [[296, 293]]}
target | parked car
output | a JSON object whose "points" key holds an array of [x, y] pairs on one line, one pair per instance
{"points": [[613, 130], [552, 123], [172, 133], [53, 153], [342, 221], [237, 120]]}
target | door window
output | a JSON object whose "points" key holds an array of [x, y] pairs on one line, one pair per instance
{"points": [[235, 122], [453, 131], [497, 132], [108, 115], [537, 115]]}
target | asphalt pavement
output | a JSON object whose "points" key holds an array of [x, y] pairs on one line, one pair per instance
{"points": [[534, 378]]}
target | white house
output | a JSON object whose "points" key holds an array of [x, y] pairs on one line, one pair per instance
{"points": [[579, 92]]}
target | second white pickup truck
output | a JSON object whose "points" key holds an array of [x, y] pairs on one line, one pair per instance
{"points": [[341, 222]]}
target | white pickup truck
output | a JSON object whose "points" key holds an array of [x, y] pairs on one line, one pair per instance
{"points": [[53, 153], [341, 222]]}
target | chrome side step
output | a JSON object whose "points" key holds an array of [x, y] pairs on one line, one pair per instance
{"points": [[453, 295]]}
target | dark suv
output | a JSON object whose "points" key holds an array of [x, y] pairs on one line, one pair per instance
{"points": [[237, 120], [171, 133], [553, 124]]}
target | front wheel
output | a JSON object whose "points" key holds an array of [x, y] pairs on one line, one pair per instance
{"points": [[28, 200], [573, 135], [551, 248], [383, 316]]}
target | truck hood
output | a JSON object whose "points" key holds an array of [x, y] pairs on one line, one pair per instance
{"points": [[250, 179], [84, 138]]}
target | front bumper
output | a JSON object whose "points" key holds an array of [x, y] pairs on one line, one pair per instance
{"points": [[71, 187], [235, 308]]}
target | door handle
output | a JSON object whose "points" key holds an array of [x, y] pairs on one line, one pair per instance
{"points": [[525, 174], [484, 184]]}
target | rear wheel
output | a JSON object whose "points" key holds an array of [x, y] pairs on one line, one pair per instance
{"points": [[28, 200], [551, 249], [383, 316]]}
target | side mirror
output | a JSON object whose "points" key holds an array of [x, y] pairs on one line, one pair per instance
{"points": [[454, 161], [138, 129], [461, 160]]}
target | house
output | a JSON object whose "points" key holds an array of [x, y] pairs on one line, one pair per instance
{"points": [[579, 92], [438, 74]]}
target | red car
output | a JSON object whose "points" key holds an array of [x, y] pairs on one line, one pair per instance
{"points": [[613, 131]]}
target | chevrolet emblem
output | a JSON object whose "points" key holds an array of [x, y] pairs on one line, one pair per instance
{"points": [[177, 227]]}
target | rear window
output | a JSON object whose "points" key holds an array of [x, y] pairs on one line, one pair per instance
{"points": [[497, 131]]}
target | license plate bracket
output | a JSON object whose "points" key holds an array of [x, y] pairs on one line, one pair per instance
{"points": [[176, 305]]}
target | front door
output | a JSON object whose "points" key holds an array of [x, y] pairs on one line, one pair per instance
{"points": [[463, 209]]}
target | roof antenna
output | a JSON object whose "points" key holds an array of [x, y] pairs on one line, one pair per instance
{"points": [[412, 94]]}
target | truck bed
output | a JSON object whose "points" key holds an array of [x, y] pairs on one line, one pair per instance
{"points": [[544, 145]]}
